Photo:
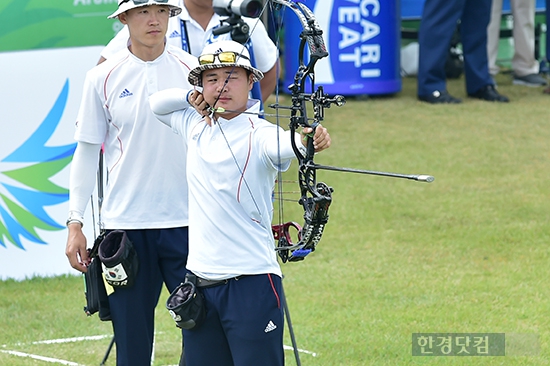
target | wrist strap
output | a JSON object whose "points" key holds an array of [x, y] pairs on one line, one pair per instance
{"points": [[72, 220]]}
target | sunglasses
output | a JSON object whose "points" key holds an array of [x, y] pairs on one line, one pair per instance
{"points": [[140, 2], [226, 57]]}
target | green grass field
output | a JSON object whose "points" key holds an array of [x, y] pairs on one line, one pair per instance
{"points": [[467, 253]]}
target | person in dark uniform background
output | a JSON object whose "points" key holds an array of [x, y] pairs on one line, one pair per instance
{"points": [[437, 26]]}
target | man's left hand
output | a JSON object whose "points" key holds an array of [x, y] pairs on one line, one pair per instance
{"points": [[321, 138]]}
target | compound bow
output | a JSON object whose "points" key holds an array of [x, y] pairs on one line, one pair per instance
{"points": [[316, 197]]}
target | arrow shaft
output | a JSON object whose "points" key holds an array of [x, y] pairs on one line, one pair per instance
{"points": [[419, 177]]}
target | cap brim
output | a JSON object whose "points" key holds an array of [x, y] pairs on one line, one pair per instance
{"points": [[195, 75], [174, 10]]}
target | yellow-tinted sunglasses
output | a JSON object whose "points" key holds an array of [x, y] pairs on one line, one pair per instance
{"points": [[226, 57]]}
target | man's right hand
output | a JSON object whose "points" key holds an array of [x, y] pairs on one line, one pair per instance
{"points": [[196, 99], [76, 249]]}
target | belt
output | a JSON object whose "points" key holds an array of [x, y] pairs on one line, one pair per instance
{"points": [[203, 282]]}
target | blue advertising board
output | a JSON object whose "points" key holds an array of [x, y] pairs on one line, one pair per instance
{"points": [[363, 40]]}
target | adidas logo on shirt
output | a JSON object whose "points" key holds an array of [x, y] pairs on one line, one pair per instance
{"points": [[174, 34], [125, 93], [270, 326]]}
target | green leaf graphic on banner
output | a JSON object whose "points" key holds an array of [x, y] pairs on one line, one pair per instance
{"points": [[39, 24], [17, 16], [29, 188], [28, 220], [4, 232], [37, 176]]}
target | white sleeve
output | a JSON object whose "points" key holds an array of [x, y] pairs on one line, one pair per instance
{"points": [[119, 41], [92, 118], [282, 149], [82, 177], [165, 102]]}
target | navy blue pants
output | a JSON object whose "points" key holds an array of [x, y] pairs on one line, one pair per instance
{"points": [[243, 327], [162, 257], [437, 26]]}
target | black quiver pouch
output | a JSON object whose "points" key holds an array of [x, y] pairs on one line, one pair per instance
{"points": [[119, 259], [97, 300], [186, 304]]}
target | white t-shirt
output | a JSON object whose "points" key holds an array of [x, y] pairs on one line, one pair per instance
{"points": [[231, 170], [145, 161], [265, 51]]}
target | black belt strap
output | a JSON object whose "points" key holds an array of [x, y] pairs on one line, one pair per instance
{"points": [[203, 282]]}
